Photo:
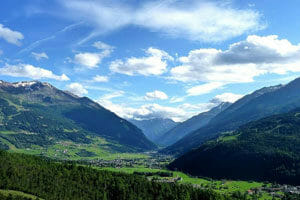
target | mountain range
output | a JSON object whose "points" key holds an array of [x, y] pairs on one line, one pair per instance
{"points": [[191, 125], [155, 128], [254, 138], [38, 114], [261, 103], [165, 132]]}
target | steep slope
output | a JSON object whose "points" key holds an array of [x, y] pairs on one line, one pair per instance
{"points": [[191, 125], [35, 113], [264, 150], [154, 128], [261, 103]]}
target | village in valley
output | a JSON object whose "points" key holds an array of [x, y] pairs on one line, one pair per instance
{"points": [[152, 160], [158, 163], [152, 165]]}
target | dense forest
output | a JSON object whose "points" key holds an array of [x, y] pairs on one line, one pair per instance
{"points": [[51, 180], [263, 150]]}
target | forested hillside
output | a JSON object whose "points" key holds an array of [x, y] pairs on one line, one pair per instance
{"points": [[51, 180], [264, 150]]}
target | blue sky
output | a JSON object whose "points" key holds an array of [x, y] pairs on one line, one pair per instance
{"points": [[145, 59]]}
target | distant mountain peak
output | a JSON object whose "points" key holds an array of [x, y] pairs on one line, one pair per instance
{"points": [[191, 124], [24, 83], [154, 128], [27, 85]]}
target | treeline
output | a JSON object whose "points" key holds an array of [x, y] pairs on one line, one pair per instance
{"points": [[51, 180]]}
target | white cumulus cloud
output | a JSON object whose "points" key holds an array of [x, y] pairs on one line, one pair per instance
{"points": [[89, 60], [99, 78], [177, 99], [92, 60], [77, 89], [203, 89], [11, 36], [156, 95], [30, 71], [155, 63], [240, 63], [112, 95], [149, 111], [227, 97]]}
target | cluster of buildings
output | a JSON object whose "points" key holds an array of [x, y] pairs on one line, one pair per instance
{"points": [[166, 180], [276, 190], [116, 163], [153, 162]]}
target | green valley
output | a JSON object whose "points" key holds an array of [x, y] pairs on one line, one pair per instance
{"points": [[52, 180], [78, 140]]}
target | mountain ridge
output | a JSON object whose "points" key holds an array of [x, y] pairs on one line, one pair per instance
{"points": [[155, 128], [30, 106], [191, 124], [261, 103]]}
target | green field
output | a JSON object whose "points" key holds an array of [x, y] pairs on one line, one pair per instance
{"points": [[222, 186], [7, 132], [67, 150], [101, 149], [227, 136], [18, 194]]}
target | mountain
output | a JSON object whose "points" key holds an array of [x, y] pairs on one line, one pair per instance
{"points": [[37, 114], [263, 150], [154, 128], [191, 125], [261, 103]]}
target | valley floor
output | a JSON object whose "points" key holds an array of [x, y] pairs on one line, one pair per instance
{"points": [[153, 166], [262, 191]]}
